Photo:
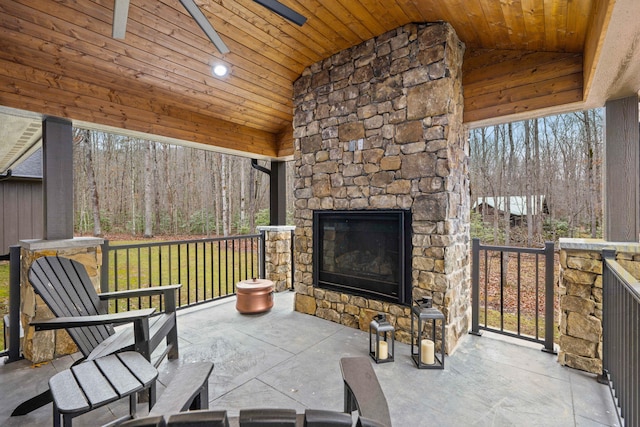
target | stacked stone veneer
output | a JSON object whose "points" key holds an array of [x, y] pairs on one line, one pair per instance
{"points": [[278, 257], [581, 299], [46, 345], [379, 126]]}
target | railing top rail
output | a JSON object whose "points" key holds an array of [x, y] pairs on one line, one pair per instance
{"points": [[512, 249], [627, 280], [182, 242]]}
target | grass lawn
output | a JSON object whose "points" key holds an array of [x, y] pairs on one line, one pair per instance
{"points": [[4, 296], [510, 323], [206, 270]]}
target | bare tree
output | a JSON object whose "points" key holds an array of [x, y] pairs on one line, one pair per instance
{"points": [[224, 196], [528, 183], [217, 191], [83, 137], [537, 205], [553, 163], [243, 195], [153, 188], [590, 154], [149, 174], [253, 186]]}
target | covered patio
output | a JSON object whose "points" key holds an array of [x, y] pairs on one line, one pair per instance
{"points": [[372, 101], [285, 359]]}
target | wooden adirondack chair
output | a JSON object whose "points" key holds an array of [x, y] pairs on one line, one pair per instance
{"points": [[66, 288]]}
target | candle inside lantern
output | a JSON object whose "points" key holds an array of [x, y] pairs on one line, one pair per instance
{"points": [[427, 352], [383, 350]]}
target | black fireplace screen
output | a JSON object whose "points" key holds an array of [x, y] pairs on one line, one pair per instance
{"points": [[365, 253]]}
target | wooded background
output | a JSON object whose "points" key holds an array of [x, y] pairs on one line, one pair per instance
{"points": [[558, 159], [143, 188]]}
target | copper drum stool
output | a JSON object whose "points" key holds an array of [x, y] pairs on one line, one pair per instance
{"points": [[254, 296]]}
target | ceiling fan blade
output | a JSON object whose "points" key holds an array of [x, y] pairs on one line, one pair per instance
{"points": [[206, 26], [284, 11], [120, 13]]}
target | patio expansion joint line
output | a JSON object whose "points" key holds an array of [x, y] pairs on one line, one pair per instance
{"points": [[259, 338], [225, 394], [573, 401], [280, 392], [320, 341]]}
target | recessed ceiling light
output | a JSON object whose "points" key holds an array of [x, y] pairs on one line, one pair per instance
{"points": [[220, 70]]}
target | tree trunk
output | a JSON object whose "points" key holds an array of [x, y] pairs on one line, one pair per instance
{"points": [[243, 195], [496, 194], [157, 206], [590, 154], [132, 181], [537, 176], [217, 190], [224, 196], [91, 183], [253, 185], [149, 172], [527, 182]]}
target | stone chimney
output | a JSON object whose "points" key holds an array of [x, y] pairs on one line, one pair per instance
{"points": [[379, 126]]}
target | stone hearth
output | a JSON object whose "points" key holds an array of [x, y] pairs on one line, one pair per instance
{"points": [[379, 126]]}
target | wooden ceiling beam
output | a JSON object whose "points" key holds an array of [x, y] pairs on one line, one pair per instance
{"points": [[595, 34], [284, 141], [216, 133], [504, 82], [51, 70], [102, 91]]}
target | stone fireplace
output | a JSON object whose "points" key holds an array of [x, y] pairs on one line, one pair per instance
{"points": [[378, 127]]}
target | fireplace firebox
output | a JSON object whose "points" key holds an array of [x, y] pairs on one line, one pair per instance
{"points": [[366, 253]]}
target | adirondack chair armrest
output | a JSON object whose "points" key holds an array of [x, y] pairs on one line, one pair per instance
{"points": [[101, 319], [168, 293]]}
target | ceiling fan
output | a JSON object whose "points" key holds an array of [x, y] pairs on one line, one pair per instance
{"points": [[121, 11]]}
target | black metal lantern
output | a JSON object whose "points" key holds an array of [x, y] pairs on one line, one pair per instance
{"points": [[382, 348], [423, 347]]}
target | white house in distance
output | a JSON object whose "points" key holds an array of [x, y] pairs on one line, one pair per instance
{"points": [[516, 205]]}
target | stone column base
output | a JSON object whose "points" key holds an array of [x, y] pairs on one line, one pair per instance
{"points": [[581, 298], [278, 259], [46, 345]]}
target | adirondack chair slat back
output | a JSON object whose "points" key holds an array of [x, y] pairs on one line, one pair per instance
{"points": [[66, 288]]}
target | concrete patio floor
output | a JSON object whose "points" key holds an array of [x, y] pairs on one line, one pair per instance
{"points": [[290, 360]]}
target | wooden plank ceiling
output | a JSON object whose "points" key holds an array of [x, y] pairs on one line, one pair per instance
{"points": [[59, 58]]}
